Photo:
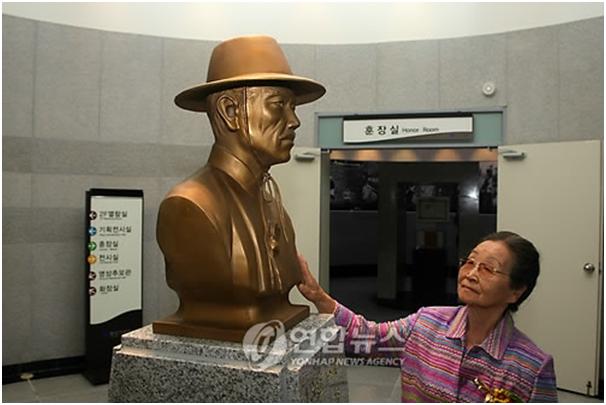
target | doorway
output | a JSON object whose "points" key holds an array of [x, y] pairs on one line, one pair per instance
{"points": [[399, 227]]}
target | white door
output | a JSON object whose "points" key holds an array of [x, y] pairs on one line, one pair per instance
{"points": [[301, 186], [553, 196]]}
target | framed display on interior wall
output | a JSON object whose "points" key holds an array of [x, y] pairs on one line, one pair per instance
{"points": [[433, 209], [354, 185], [409, 195]]}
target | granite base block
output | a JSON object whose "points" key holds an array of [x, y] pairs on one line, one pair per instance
{"points": [[305, 365]]}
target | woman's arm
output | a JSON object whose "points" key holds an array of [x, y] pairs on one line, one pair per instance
{"points": [[544, 389], [363, 337]]}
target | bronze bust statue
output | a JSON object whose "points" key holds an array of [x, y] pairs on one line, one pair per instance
{"points": [[228, 243]]}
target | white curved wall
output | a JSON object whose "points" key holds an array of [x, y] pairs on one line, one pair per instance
{"points": [[306, 22]]}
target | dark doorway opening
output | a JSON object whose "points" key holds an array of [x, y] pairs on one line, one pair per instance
{"points": [[436, 217]]}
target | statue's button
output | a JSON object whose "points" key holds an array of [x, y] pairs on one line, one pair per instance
{"points": [[273, 244]]}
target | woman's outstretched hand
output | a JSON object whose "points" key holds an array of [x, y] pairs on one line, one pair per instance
{"points": [[311, 290]]}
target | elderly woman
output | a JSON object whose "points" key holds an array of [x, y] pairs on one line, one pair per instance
{"points": [[469, 353]]}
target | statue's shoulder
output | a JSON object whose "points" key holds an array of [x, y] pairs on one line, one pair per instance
{"points": [[203, 186], [200, 194]]}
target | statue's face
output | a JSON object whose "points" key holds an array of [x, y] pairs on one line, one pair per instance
{"points": [[271, 123]]}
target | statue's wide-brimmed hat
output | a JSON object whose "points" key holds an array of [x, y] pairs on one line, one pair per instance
{"points": [[248, 61]]}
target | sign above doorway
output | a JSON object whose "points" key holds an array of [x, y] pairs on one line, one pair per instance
{"points": [[389, 129]]}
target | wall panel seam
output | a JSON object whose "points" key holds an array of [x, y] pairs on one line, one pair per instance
{"points": [[161, 129], [100, 82], [439, 73], [559, 85], [34, 76], [33, 118]]}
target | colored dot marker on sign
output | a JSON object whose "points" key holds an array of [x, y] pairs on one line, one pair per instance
{"points": [[92, 231], [92, 246], [92, 259]]}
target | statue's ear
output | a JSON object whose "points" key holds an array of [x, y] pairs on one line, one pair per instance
{"points": [[228, 110]]}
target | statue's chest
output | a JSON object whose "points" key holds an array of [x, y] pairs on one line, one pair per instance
{"points": [[263, 240]]}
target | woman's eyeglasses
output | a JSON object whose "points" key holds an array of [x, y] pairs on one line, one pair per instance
{"points": [[484, 269]]}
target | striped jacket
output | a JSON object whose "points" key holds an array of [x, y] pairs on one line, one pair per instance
{"points": [[436, 367]]}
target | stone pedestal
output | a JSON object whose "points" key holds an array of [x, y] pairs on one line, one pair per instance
{"points": [[306, 364]]}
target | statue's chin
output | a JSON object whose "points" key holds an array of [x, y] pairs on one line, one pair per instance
{"points": [[283, 156], [283, 159]]}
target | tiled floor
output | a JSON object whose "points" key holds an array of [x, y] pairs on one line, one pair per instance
{"points": [[69, 388], [366, 384]]}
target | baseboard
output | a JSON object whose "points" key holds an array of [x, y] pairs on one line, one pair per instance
{"points": [[42, 369]]}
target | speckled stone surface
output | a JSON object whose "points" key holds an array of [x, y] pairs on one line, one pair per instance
{"points": [[306, 367]]}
